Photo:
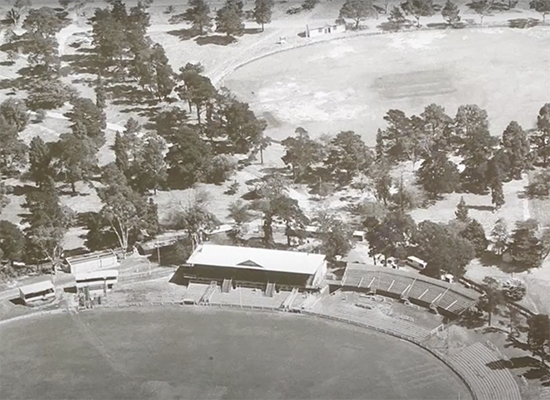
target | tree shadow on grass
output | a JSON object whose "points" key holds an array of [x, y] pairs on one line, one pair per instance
{"points": [[489, 259], [480, 208], [84, 62], [523, 23], [218, 40], [536, 370], [146, 111], [184, 34]]}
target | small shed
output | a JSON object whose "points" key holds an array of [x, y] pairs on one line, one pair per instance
{"points": [[34, 292], [91, 262], [324, 30], [96, 280]]}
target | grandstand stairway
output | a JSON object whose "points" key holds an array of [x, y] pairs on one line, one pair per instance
{"points": [[269, 290], [209, 292], [287, 302], [226, 286]]}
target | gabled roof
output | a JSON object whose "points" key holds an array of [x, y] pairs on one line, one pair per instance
{"points": [[36, 287], [257, 259]]}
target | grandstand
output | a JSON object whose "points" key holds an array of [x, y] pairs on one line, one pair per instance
{"points": [[496, 383], [445, 298]]}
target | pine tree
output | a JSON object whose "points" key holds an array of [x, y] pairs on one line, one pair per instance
{"points": [[450, 13], [516, 145], [461, 212], [262, 12], [497, 194], [163, 71], [198, 15]]}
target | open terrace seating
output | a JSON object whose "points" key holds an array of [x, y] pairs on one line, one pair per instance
{"points": [[447, 297], [488, 383]]}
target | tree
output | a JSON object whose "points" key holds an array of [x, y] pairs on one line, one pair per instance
{"points": [[542, 7], [288, 211], [301, 153], [539, 336], [151, 168], [383, 181], [525, 247], [481, 7], [396, 17], [14, 112], [48, 94], [268, 193], [497, 193], [4, 200], [40, 159], [195, 218], [514, 289], [123, 208], [395, 234], [240, 213], [358, 10], [12, 242], [196, 89], [492, 297], [475, 234], [442, 249], [461, 212], [348, 155], [13, 151], [499, 236], [450, 13], [262, 11], [222, 167], [39, 41], [100, 93], [229, 18], [418, 9], [188, 160], [437, 128], [87, 120], [242, 127], [109, 40], [169, 122], [77, 158], [468, 120], [164, 82], [335, 238], [48, 223], [438, 175], [198, 14], [399, 139], [539, 185], [99, 235], [518, 149], [541, 137]]}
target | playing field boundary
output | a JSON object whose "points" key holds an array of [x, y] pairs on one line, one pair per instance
{"points": [[347, 35], [469, 384]]}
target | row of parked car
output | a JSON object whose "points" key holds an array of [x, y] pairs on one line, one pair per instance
{"points": [[413, 262]]}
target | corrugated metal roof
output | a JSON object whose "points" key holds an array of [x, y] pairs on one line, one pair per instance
{"points": [[36, 287], [255, 258], [96, 274]]}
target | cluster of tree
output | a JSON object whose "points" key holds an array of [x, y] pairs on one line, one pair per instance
{"points": [[433, 137], [445, 247], [123, 48], [527, 245], [229, 18], [341, 159]]}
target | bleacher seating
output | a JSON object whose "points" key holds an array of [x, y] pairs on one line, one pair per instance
{"points": [[427, 291], [496, 383]]}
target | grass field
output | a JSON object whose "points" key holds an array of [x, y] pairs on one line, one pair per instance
{"points": [[184, 354], [351, 84]]}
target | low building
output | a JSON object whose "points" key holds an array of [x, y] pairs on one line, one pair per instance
{"points": [[91, 262], [324, 30], [96, 280], [37, 292], [255, 266]]}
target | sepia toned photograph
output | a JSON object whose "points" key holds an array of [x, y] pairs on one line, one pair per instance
{"points": [[274, 199]]}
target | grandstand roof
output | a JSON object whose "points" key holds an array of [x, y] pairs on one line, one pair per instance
{"points": [[36, 287], [257, 259]]}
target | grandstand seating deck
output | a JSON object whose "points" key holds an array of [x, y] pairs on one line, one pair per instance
{"points": [[488, 383], [248, 297], [447, 297]]}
